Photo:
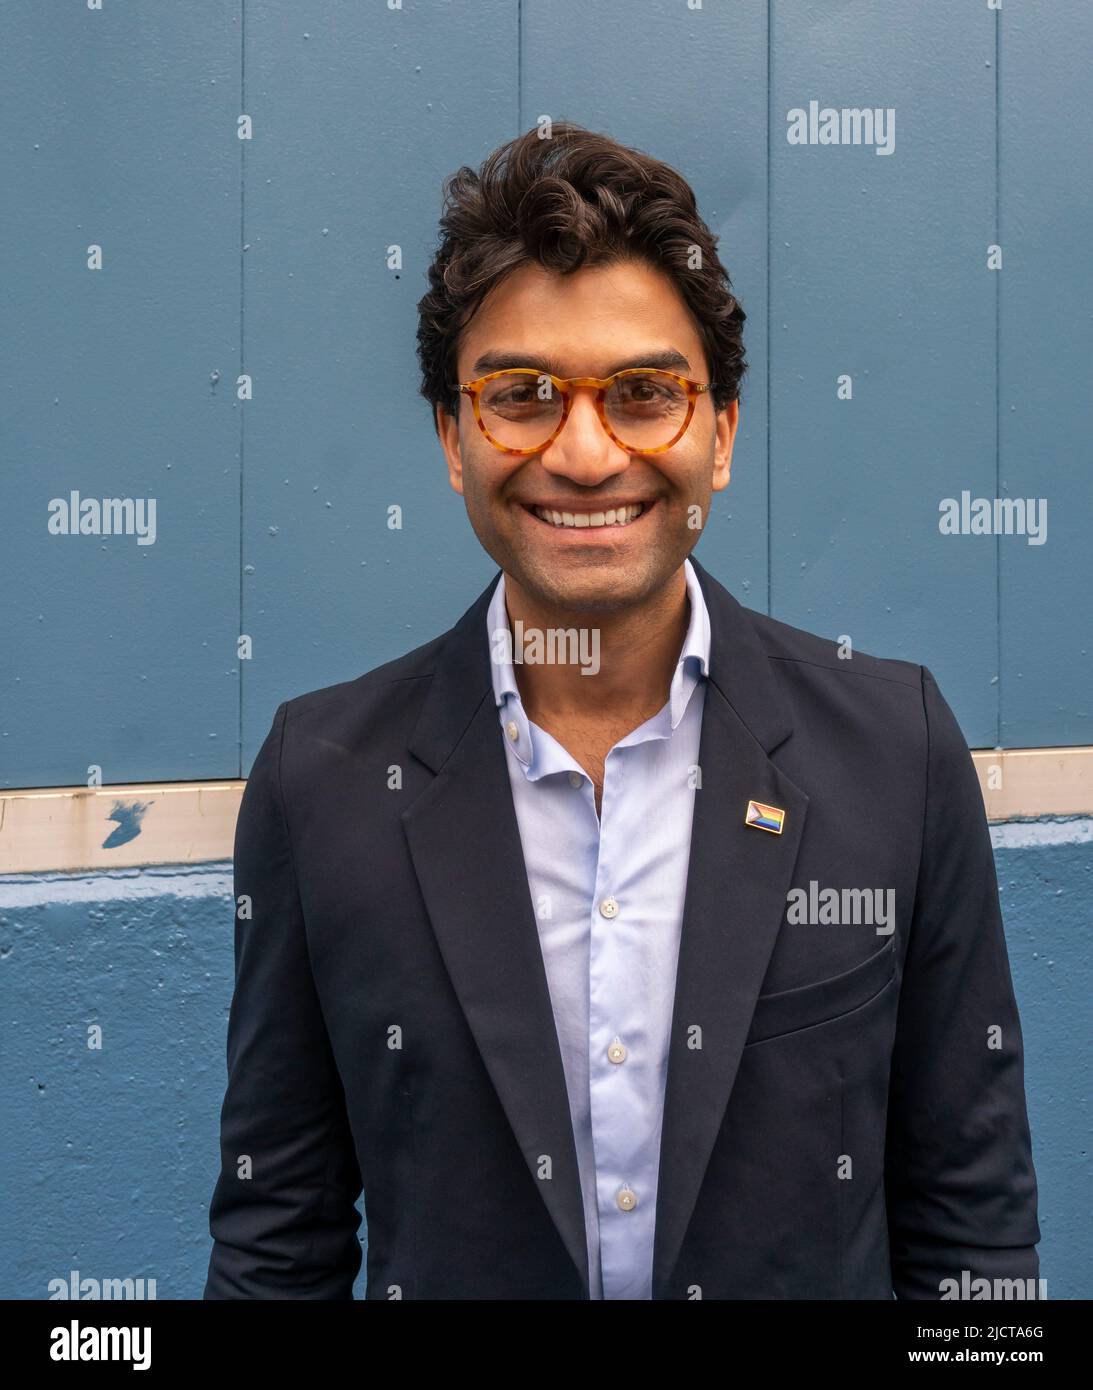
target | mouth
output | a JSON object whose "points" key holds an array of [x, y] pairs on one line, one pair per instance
{"points": [[609, 519]]}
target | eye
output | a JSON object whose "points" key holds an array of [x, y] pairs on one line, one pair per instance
{"points": [[650, 392], [513, 395]]}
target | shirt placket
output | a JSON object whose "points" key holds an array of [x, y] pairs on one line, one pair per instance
{"points": [[615, 1061]]}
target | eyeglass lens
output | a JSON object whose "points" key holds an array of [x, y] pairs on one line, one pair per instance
{"points": [[644, 409]]}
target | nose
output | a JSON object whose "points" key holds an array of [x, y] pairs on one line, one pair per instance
{"points": [[584, 452]]}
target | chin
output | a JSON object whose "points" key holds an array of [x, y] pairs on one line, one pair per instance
{"points": [[601, 591]]}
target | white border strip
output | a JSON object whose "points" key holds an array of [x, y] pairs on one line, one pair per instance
{"points": [[213, 882], [1037, 834]]}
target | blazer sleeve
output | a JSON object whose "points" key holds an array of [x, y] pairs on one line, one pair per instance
{"points": [[282, 1214], [959, 1179]]}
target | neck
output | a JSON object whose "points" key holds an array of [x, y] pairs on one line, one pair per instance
{"points": [[638, 649]]}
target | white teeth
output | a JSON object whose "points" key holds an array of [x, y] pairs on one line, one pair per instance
{"points": [[615, 516]]}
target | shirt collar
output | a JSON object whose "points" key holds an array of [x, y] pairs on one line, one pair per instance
{"points": [[693, 665]]}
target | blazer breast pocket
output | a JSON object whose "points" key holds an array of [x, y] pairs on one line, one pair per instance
{"points": [[790, 1010]]}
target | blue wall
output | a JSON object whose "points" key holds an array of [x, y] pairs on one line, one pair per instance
{"points": [[268, 257], [110, 1155]]}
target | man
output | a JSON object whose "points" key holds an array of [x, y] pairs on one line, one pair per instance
{"points": [[621, 942]]}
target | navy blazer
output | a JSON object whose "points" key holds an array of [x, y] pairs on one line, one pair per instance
{"points": [[844, 1115]]}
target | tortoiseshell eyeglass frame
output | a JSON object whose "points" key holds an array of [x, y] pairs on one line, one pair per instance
{"points": [[601, 384]]}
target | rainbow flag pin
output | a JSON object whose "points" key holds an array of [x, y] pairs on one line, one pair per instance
{"points": [[770, 818]]}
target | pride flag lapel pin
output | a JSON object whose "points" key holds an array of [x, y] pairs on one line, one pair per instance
{"points": [[770, 818]]}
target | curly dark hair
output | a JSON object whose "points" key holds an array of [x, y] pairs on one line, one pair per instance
{"points": [[572, 199]]}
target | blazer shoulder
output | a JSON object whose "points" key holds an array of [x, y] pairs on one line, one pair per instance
{"points": [[784, 643]]}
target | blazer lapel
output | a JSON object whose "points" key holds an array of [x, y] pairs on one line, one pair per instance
{"points": [[735, 901], [465, 844]]}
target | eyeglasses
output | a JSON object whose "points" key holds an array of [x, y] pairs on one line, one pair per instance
{"points": [[521, 410]]}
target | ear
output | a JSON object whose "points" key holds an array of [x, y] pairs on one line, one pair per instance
{"points": [[728, 421], [447, 427]]}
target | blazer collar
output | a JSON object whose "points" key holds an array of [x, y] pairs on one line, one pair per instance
{"points": [[738, 666], [465, 845]]}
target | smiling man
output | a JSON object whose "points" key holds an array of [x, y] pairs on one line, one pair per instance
{"points": [[568, 963], [587, 531]]}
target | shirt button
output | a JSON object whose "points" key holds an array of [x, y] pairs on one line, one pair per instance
{"points": [[575, 779], [609, 908], [512, 731], [616, 1052], [627, 1199]]}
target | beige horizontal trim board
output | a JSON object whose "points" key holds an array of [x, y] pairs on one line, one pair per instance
{"points": [[1018, 783], [59, 829], [117, 827]]}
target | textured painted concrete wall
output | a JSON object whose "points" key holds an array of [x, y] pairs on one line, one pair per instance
{"points": [[110, 1155]]}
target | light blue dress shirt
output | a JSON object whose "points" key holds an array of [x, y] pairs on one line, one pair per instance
{"points": [[608, 896]]}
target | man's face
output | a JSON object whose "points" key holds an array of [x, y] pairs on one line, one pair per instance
{"points": [[592, 322]]}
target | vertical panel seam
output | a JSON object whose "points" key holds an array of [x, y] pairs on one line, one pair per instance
{"points": [[242, 317], [998, 369], [770, 243]]}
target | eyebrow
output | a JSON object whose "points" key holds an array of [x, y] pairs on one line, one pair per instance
{"points": [[667, 359]]}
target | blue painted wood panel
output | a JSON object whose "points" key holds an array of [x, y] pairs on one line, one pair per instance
{"points": [[119, 132], [1046, 370], [879, 272], [687, 86], [267, 258], [360, 112]]}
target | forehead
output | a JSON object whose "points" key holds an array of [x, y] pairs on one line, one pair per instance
{"points": [[586, 320]]}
